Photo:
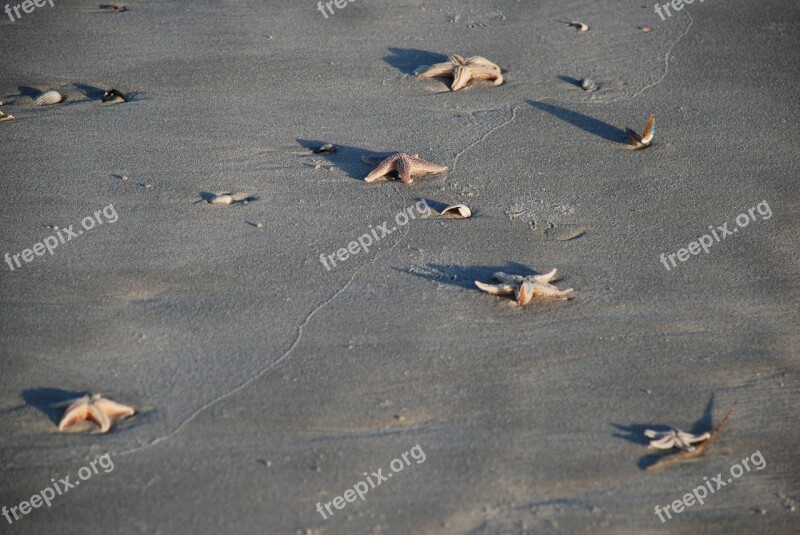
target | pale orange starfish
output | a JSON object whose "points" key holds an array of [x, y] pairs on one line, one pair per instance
{"points": [[525, 288], [406, 165], [94, 409], [463, 71]]}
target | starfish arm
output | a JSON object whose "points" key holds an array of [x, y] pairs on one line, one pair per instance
{"points": [[102, 419], [496, 289], [547, 277], [525, 293], [691, 439], [650, 433], [483, 62], [114, 410], [485, 73], [461, 77], [422, 166], [383, 169], [405, 169], [75, 413], [664, 443], [455, 60], [539, 288], [503, 277], [440, 69]]}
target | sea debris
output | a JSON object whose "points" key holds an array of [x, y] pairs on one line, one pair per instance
{"points": [[525, 288], [114, 96], [5, 118], [96, 410], [114, 8], [457, 211], [230, 198], [463, 71], [646, 139], [587, 84], [49, 97], [580, 26], [406, 166], [327, 147]]}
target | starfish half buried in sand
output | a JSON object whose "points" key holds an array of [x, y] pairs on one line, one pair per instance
{"points": [[463, 71], [646, 139], [674, 438], [94, 409], [406, 165], [525, 288]]}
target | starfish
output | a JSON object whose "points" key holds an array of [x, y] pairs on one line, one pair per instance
{"points": [[406, 165], [96, 409], [646, 138], [525, 288], [666, 440], [463, 71]]}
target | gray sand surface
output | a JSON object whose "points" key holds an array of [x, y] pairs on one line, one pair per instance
{"points": [[266, 384]]}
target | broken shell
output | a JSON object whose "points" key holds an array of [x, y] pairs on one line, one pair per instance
{"points": [[581, 27], [327, 147], [588, 85], [458, 211], [4, 117], [49, 97], [112, 95], [231, 198], [113, 8], [646, 29]]}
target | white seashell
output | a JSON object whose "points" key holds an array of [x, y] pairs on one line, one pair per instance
{"points": [[230, 198], [6, 118], [580, 26], [49, 97], [588, 85], [459, 211]]}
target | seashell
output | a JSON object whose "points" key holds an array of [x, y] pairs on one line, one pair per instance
{"points": [[231, 198], [5, 118], [327, 147], [112, 95], [646, 29], [588, 85], [49, 97], [581, 27], [457, 211]]}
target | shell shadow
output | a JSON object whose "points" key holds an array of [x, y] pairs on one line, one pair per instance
{"points": [[347, 157], [584, 122], [570, 80], [407, 60], [48, 400], [635, 433], [91, 92], [465, 276]]}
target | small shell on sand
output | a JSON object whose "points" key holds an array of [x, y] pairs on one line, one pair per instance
{"points": [[230, 198], [327, 147], [581, 27], [588, 85], [4, 118], [457, 211], [49, 97]]}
